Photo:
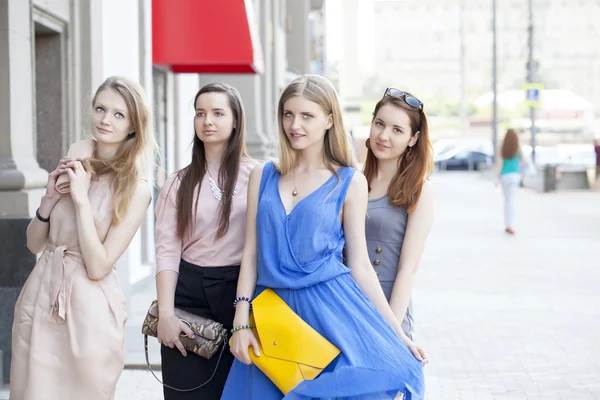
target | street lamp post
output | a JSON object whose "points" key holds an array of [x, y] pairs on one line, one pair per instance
{"points": [[494, 82], [531, 77], [463, 79]]}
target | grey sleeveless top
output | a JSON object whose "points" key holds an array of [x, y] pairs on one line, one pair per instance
{"points": [[385, 228]]}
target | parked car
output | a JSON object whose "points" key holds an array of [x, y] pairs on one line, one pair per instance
{"points": [[457, 159]]}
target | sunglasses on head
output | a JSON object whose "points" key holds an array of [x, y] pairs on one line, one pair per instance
{"points": [[408, 99]]}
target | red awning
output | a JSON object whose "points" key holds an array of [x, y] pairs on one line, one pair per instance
{"points": [[206, 36]]}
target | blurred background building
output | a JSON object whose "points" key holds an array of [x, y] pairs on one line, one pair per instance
{"points": [[441, 51], [429, 60]]}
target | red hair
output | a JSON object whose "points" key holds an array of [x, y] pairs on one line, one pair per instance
{"points": [[414, 166]]}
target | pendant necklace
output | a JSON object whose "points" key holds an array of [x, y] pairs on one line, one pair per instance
{"points": [[295, 191]]}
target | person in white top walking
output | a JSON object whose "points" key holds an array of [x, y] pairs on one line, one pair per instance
{"points": [[508, 173]]}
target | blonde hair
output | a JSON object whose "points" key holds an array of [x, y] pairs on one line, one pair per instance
{"points": [[135, 154], [336, 143]]}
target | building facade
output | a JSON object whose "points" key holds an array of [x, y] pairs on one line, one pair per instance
{"points": [[54, 54], [419, 44]]}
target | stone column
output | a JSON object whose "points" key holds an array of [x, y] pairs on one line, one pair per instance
{"points": [[298, 40], [267, 29], [22, 181], [186, 87], [350, 78]]}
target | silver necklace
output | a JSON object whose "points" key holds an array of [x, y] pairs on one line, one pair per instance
{"points": [[216, 190]]}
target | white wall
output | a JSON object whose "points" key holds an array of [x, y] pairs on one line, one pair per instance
{"points": [[126, 53], [186, 87], [120, 38]]}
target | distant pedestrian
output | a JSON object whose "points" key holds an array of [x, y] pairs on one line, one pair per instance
{"points": [[508, 172]]}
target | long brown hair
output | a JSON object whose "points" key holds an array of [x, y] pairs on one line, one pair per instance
{"points": [[134, 154], [510, 144], [414, 166], [337, 144], [192, 175]]}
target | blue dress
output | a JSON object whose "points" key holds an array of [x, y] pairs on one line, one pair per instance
{"points": [[300, 258]]}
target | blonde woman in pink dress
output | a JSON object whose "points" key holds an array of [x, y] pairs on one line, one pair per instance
{"points": [[69, 326]]}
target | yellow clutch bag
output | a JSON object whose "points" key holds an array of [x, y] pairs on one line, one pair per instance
{"points": [[290, 350]]}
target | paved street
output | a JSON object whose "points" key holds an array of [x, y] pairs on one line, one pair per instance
{"points": [[501, 317], [511, 317]]}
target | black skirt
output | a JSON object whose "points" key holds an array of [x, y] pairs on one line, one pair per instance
{"points": [[208, 292]]}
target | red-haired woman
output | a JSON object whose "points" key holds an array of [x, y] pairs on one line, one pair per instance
{"points": [[400, 211], [508, 170]]}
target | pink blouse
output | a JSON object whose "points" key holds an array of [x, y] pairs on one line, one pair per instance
{"points": [[201, 248]]}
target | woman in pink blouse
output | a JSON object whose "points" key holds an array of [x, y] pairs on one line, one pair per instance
{"points": [[201, 219]]}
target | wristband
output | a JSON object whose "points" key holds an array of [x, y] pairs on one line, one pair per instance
{"points": [[38, 216]]}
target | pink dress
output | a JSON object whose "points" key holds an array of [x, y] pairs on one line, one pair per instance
{"points": [[68, 332]]}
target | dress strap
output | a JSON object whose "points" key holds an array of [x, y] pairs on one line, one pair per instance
{"points": [[346, 174], [267, 173]]}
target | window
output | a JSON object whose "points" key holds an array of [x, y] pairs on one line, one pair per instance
{"points": [[51, 108]]}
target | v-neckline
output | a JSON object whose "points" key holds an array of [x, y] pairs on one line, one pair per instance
{"points": [[285, 211]]}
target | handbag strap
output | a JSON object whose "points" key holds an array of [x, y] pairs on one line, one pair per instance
{"points": [[184, 390]]}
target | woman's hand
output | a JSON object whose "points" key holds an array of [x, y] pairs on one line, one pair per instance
{"points": [[240, 342], [80, 181], [51, 193], [417, 350], [169, 329]]}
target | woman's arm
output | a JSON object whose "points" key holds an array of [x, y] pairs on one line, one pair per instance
{"points": [[37, 231], [355, 211], [100, 257], [246, 286], [169, 325], [169, 246], [498, 165], [169, 249], [248, 275], [417, 230]]}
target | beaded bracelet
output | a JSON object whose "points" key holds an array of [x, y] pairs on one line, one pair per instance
{"points": [[242, 299], [239, 328]]}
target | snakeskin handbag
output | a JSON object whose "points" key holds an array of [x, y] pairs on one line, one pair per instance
{"points": [[209, 336]]}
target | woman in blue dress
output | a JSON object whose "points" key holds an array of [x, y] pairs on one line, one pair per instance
{"points": [[301, 213]]}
